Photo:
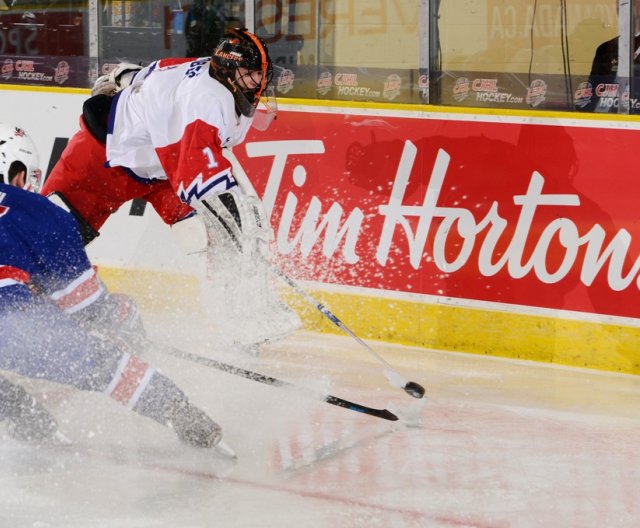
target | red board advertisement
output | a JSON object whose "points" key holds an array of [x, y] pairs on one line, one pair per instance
{"points": [[523, 214]]}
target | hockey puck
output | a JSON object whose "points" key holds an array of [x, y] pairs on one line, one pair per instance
{"points": [[413, 389]]}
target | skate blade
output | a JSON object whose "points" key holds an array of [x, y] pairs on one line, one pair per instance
{"points": [[222, 448], [60, 439]]}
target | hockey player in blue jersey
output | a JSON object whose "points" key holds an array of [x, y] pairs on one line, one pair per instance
{"points": [[19, 162], [26, 418], [58, 322]]}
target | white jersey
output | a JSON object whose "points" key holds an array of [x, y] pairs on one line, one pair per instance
{"points": [[172, 123]]}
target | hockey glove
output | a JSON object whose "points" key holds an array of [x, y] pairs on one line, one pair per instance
{"points": [[237, 223], [239, 293], [115, 317], [116, 80]]}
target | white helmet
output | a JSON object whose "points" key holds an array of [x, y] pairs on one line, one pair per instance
{"points": [[19, 153]]}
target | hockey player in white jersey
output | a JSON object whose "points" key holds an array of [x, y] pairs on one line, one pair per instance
{"points": [[161, 138]]}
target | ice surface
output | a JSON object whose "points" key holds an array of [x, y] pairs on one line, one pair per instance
{"points": [[497, 443]]}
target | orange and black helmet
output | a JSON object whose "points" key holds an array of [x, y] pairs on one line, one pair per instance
{"points": [[239, 48]]}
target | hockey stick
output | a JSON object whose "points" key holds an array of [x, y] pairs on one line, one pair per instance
{"points": [[410, 387], [268, 380]]}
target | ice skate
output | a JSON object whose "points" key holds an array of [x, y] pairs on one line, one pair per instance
{"points": [[194, 427], [34, 423]]}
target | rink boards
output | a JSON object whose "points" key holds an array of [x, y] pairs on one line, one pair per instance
{"points": [[511, 234]]}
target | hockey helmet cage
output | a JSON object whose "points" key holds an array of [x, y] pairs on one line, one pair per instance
{"points": [[239, 50], [18, 153]]}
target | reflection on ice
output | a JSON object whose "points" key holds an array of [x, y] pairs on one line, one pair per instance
{"points": [[497, 443]]}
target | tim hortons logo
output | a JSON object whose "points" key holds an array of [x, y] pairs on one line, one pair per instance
{"points": [[396, 219]]}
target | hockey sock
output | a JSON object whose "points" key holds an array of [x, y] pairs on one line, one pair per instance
{"points": [[138, 386]]}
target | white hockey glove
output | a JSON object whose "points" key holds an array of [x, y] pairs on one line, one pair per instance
{"points": [[237, 225], [117, 79], [240, 293]]}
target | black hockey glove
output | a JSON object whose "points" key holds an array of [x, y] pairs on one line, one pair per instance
{"points": [[115, 318]]}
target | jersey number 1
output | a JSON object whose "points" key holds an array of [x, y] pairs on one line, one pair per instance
{"points": [[209, 154]]}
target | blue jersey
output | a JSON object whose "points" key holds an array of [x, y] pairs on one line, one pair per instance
{"points": [[41, 249], [45, 274]]}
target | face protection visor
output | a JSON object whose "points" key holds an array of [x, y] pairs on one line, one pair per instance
{"points": [[255, 97], [266, 111]]}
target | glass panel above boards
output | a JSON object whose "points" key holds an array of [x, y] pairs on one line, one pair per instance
{"points": [[570, 55]]}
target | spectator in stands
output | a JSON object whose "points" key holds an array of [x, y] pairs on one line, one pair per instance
{"points": [[603, 78], [205, 24]]}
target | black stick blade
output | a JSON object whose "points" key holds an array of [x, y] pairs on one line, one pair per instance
{"points": [[385, 414]]}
